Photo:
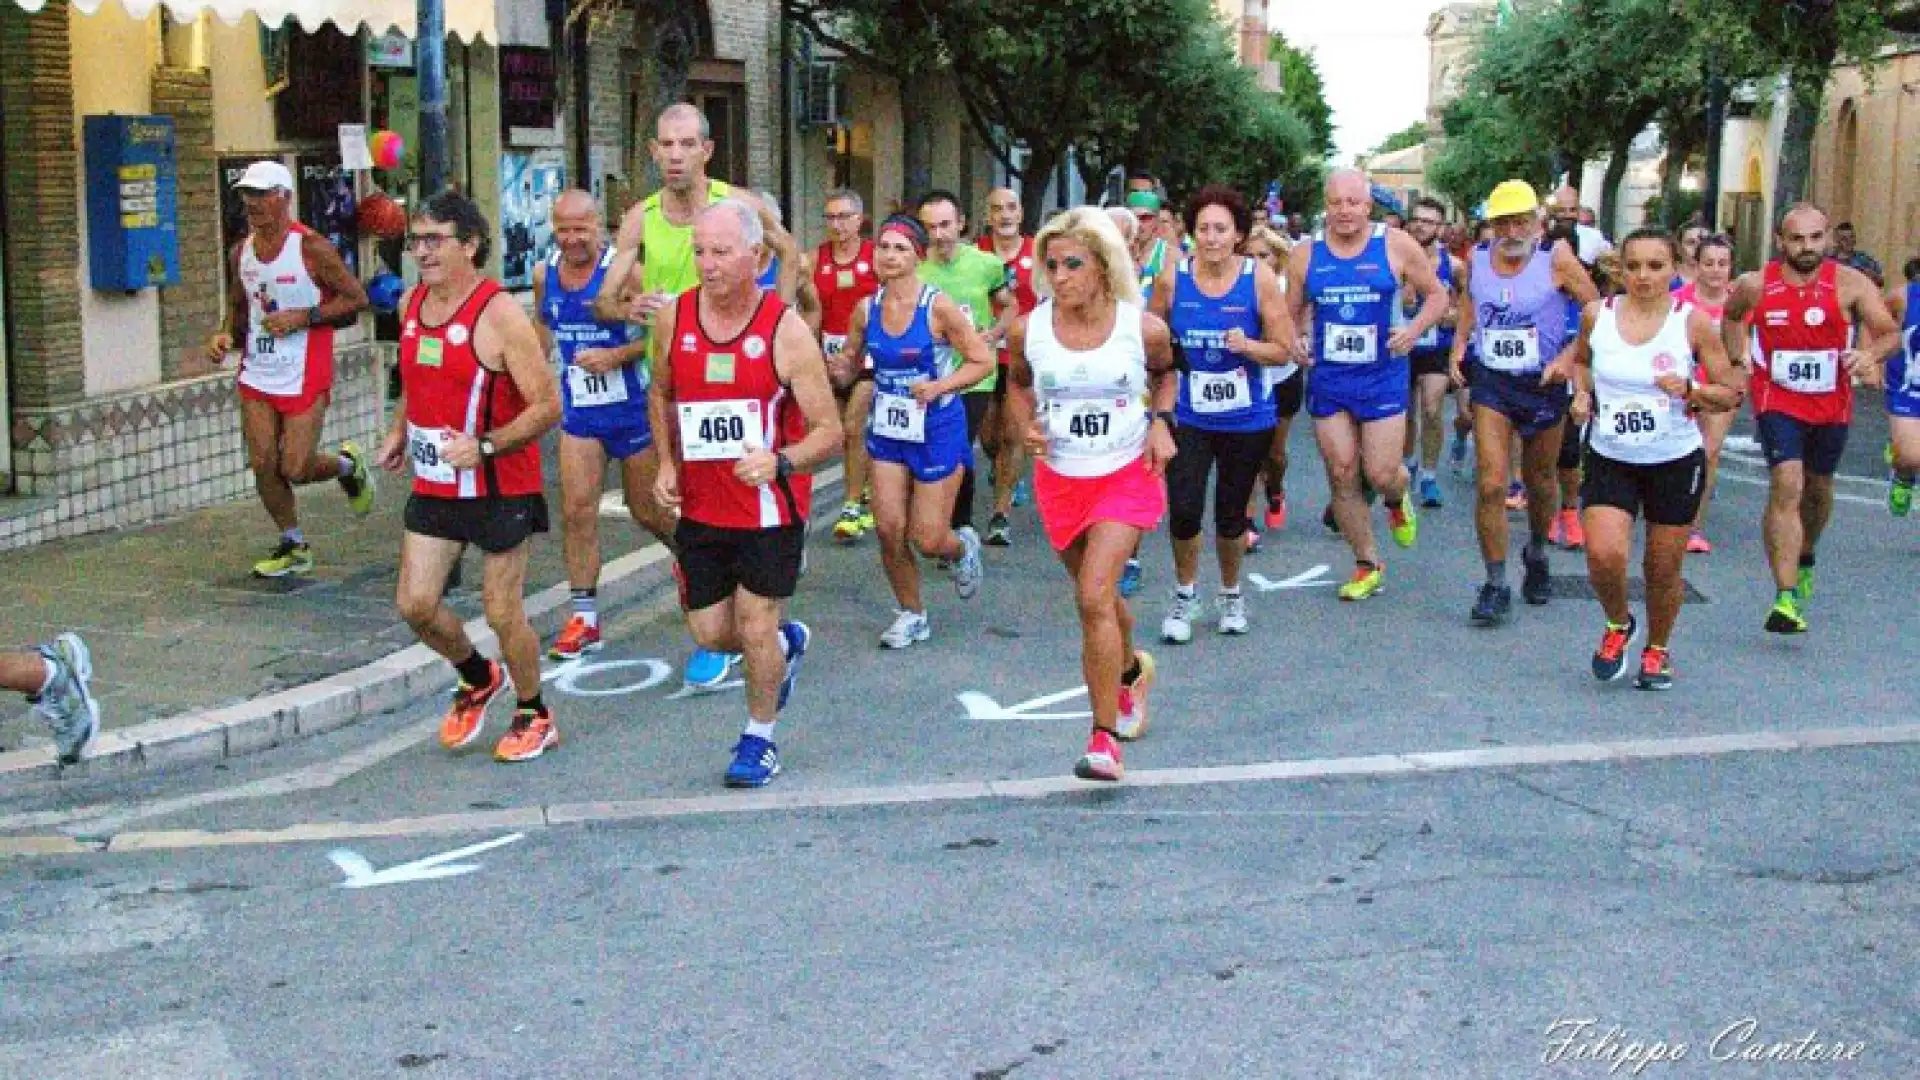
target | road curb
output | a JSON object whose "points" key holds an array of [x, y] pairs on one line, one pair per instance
{"points": [[392, 682]]}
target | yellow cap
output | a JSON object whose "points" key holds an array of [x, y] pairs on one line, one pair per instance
{"points": [[1512, 197]]}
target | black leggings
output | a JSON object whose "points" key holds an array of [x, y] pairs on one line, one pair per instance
{"points": [[1239, 456], [976, 412]]}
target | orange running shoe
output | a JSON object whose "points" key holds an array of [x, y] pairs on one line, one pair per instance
{"points": [[1574, 535], [1276, 513], [531, 735], [576, 639], [469, 712]]}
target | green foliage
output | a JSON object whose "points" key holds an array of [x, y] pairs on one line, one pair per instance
{"points": [[1412, 135], [1144, 83], [1304, 92]]}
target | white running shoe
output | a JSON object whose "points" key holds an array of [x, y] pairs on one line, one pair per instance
{"points": [[1232, 609], [1177, 627], [908, 627]]}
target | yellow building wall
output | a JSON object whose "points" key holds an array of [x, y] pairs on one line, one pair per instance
{"points": [[1873, 178], [113, 56], [242, 112]]}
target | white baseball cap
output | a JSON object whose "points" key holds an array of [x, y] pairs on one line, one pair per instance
{"points": [[265, 176]]}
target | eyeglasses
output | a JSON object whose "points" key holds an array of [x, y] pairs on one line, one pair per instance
{"points": [[427, 241], [1071, 262]]}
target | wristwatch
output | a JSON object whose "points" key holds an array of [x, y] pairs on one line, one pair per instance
{"points": [[1166, 415], [313, 315], [782, 468], [486, 447]]}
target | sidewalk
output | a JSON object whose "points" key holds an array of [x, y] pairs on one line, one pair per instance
{"points": [[179, 627]]}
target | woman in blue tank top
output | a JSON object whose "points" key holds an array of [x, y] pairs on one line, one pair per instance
{"points": [[922, 351], [1229, 323]]}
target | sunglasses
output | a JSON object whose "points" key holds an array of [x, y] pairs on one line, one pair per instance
{"points": [[1071, 262]]}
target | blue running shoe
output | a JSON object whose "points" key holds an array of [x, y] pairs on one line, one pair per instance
{"points": [[755, 761], [1130, 578], [1430, 491], [708, 670], [798, 637]]}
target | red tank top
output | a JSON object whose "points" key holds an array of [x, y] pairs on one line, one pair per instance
{"points": [[1799, 333], [1019, 278], [841, 287], [448, 390], [728, 398], [1019, 271]]}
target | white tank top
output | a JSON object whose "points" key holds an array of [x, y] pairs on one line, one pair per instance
{"points": [[1635, 421], [276, 365], [1092, 403]]}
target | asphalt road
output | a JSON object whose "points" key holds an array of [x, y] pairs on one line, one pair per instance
{"points": [[1274, 893]]}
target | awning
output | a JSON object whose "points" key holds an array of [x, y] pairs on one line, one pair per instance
{"points": [[466, 19]]}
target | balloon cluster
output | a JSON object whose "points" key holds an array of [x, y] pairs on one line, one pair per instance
{"points": [[387, 149]]}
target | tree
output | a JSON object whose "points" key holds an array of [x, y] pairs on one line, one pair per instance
{"points": [[1486, 143], [1119, 80], [1413, 134], [1303, 91], [1803, 39]]}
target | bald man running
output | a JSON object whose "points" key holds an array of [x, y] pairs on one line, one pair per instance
{"points": [[1015, 249], [603, 386]]}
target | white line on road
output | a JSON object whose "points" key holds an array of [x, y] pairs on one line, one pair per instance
{"points": [[1761, 481], [1374, 765]]}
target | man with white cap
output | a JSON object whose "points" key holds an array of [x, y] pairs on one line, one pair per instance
{"points": [[287, 291]]}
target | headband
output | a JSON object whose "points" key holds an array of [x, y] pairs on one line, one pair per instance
{"points": [[913, 231], [1143, 200]]}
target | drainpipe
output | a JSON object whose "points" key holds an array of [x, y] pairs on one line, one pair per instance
{"points": [[431, 43], [786, 122]]}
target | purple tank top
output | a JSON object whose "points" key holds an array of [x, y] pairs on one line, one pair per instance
{"points": [[1521, 321]]}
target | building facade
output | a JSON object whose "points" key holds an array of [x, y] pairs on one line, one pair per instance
{"points": [[1866, 155], [113, 417]]}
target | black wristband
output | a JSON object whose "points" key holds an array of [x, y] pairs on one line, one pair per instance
{"points": [[782, 467]]}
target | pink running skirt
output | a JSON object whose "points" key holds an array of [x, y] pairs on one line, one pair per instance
{"points": [[1070, 505]]}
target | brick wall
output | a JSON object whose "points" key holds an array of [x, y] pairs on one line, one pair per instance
{"points": [[189, 310], [41, 190]]}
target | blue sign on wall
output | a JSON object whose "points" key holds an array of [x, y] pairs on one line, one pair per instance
{"points": [[133, 235]]}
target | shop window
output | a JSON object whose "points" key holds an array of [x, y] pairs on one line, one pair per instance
{"points": [[325, 65]]}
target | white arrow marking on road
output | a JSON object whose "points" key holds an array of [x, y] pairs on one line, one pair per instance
{"points": [[361, 874], [981, 707], [1306, 579]]}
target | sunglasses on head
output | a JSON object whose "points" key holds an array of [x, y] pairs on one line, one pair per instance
{"points": [[1071, 262]]}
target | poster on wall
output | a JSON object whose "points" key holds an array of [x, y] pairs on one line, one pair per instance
{"points": [[529, 182], [233, 213], [326, 204]]}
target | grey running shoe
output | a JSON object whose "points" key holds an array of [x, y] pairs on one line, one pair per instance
{"points": [[969, 570], [67, 704]]}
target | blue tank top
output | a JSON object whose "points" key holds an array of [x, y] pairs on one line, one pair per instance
{"points": [[1353, 302], [617, 397], [913, 356], [1520, 322], [1219, 390], [1903, 367], [1439, 339], [770, 277]]}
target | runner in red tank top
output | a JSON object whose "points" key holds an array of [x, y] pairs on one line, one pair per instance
{"points": [[1803, 309], [478, 396], [742, 411], [1015, 250], [287, 290], [843, 275]]}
